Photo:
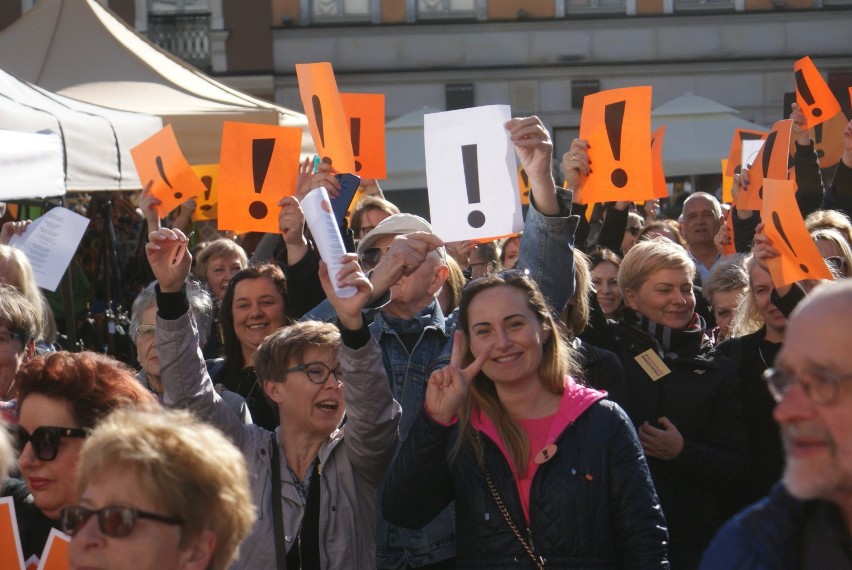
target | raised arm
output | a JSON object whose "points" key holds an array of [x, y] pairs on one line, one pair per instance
{"points": [[184, 373]]}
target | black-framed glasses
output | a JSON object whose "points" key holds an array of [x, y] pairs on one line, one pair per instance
{"points": [[115, 521], [317, 372], [45, 439], [371, 257], [821, 388]]}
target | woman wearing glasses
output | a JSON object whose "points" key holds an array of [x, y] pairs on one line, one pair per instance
{"points": [[315, 482], [158, 491], [61, 397], [545, 472]]}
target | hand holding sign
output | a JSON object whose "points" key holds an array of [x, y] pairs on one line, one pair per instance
{"points": [[735, 155], [159, 160]]}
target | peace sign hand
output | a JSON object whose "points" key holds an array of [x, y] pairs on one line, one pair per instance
{"points": [[448, 386]]}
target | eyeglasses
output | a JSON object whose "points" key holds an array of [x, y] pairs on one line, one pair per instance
{"points": [[837, 264], [371, 257], [45, 439], [634, 230], [145, 330], [820, 388], [317, 372], [115, 521]]}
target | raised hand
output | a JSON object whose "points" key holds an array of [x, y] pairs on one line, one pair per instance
{"points": [[303, 179], [762, 247], [324, 176], [13, 228], [535, 151], [169, 259], [291, 221], [149, 203], [405, 254], [576, 164], [800, 126], [348, 309], [447, 387]]}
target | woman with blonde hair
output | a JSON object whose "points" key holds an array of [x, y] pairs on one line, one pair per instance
{"points": [[158, 491], [16, 270], [509, 435]]}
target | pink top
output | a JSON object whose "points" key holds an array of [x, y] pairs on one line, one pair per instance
{"points": [[537, 431]]}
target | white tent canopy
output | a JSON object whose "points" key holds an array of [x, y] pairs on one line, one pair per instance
{"points": [[698, 134], [96, 141], [31, 165], [82, 50]]}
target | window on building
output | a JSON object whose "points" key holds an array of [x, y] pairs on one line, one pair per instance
{"points": [[446, 8], [182, 27], [331, 10], [575, 6], [703, 5]]}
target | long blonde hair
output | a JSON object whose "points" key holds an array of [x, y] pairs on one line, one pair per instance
{"points": [[558, 360]]}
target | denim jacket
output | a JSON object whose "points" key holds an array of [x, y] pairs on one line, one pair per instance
{"points": [[546, 251]]}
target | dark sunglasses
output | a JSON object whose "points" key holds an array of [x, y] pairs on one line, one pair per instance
{"points": [[45, 439], [115, 521], [371, 257]]}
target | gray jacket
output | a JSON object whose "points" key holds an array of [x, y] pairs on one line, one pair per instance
{"points": [[351, 468]]}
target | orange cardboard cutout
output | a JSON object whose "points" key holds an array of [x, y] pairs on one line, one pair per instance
{"points": [[258, 166], [661, 190], [324, 109], [813, 95], [729, 248], [524, 186], [617, 125], [727, 184], [160, 160], [11, 553], [735, 158], [365, 115], [783, 224], [55, 555], [207, 203], [771, 162], [828, 140]]}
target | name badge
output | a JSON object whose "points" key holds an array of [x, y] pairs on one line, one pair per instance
{"points": [[652, 364]]}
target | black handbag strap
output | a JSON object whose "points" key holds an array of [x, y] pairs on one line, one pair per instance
{"points": [[277, 515]]}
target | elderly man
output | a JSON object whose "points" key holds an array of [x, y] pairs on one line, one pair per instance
{"points": [[806, 521], [699, 222]]}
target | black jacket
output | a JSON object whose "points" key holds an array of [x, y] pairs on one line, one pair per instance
{"points": [[592, 506], [700, 396]]}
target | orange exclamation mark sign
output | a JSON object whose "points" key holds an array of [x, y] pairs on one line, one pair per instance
{"points": [[261, 156], [776, 220], [805, 93], [470, 161], [162, 170], [614, 121], [318, 117], [355, 133]]}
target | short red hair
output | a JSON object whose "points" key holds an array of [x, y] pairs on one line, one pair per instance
{"points": [[93, 384]]}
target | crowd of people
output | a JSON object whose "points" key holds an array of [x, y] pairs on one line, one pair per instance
{"points": [[606, 394]]}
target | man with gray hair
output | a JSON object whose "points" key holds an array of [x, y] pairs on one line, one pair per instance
{"points": [[806, 521], [700, 220]]}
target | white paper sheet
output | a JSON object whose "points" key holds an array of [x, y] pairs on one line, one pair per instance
{"points": [[50, 243], [464, 147]]}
